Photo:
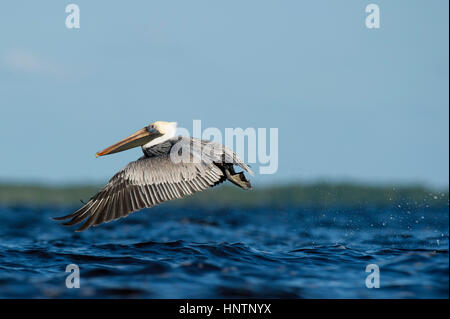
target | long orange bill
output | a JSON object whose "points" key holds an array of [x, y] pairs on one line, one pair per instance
{"points": [[139, 138]]}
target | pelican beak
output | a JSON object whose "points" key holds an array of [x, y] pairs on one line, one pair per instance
{"points": [[139, 138]]}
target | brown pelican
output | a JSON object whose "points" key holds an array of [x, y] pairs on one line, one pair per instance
{"points": [[172, 167]]}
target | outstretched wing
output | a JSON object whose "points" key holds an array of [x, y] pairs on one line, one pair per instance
{"points": [[145, 183]]}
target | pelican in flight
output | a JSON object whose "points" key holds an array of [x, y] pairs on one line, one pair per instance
{"points": [[172, 167]]}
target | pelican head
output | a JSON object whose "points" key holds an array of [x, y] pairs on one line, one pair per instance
{"points": [[152, 134]]}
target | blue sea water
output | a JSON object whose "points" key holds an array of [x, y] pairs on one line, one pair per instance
{"points": [[189, 252]]}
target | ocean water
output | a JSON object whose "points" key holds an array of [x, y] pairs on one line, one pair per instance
{"points": [[267, 252]]}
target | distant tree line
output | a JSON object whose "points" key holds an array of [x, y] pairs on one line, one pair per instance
{"points": [[315, 194]]}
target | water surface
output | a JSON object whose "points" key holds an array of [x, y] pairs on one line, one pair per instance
{"points": [[189, 252]]}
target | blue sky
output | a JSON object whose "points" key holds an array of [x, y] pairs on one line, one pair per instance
{"points": [[350, 103]]}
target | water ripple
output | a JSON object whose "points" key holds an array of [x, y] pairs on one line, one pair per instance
{"points": [[171, 252]]}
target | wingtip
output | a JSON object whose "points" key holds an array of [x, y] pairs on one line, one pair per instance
{"points": [[86, 225], [82, 228], [59, 218], [249, 170]]}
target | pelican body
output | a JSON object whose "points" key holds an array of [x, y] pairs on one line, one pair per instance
{"points": [[159, 175]]}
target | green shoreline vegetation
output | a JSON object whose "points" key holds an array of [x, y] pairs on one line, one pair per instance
{"points": [[314, 194]]}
